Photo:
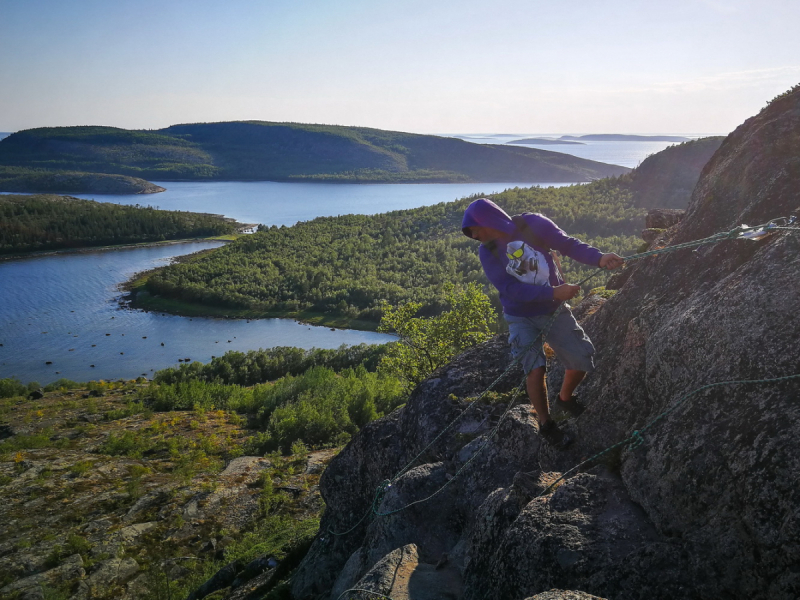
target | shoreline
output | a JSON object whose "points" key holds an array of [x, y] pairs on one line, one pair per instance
{"points": [[152, 244]]}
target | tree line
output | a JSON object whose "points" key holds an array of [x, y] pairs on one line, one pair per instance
{"points": [[46, 222]]}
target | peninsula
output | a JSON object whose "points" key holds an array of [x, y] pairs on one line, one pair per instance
{"points": [[49, 222]]}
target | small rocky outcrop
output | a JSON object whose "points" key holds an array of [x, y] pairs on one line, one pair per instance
{"points": [[706, 508], [663, 218]]}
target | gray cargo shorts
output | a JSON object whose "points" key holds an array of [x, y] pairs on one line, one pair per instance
{"points": [[570, 343]]}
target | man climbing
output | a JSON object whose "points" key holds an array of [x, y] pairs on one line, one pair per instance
{"points": [[516, 254]]}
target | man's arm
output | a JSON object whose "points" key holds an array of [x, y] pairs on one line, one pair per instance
{"points": [[573, 247]]}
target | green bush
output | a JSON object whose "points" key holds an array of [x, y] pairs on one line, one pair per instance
{"points": [[127, 443], [12, 387], [259, 366], [61, 385], [321, 407], [428, 343], [195, 393]]}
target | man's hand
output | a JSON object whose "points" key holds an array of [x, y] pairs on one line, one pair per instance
{"points": [[565, 292], [611, 261]]}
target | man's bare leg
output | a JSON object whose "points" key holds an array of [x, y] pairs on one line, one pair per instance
{"points": [[572, 379], [537, 393]]}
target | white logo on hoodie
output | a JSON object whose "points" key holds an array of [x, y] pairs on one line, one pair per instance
{"points": [[526, 264]]}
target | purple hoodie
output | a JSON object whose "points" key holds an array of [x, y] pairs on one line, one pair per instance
{"points": [[521, 299]]}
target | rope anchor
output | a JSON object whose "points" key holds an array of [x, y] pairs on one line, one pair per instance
{"points": [[636, 440]]}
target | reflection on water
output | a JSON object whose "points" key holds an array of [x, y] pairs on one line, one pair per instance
{"points": [[64, 309]]}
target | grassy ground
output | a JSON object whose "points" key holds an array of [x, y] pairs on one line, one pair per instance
{"points": [[92, 482]]}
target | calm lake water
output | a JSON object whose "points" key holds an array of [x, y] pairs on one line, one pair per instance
{"points": [[275, 203], [65, 309], [59, 308]]}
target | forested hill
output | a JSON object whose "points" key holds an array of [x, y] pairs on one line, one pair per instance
{"points": [[260, 150], [343, 267], [666, 179]]}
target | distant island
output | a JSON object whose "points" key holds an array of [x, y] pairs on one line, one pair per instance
{"points": [[617, 137], [4, 134], [545, 142], [267, 151]]}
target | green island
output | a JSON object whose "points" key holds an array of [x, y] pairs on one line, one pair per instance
{"points": [[268, 151], [50, 222]]}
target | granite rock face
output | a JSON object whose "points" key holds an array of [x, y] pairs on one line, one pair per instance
{"points": [[718, 474], [706, 508]]}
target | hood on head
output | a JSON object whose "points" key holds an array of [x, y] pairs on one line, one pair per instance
{"points": [[485, 213]]}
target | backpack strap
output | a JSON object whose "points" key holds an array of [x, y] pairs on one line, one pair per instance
{"points": [[528, 234]]}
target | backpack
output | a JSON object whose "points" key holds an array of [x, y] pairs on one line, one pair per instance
{"points": [[528, 234]]}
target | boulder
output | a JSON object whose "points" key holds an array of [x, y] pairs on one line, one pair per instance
{"points": [[587, 534], [663, 218], [402, 576], [650, 235]]}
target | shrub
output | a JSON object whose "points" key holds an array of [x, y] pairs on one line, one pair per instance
{"points": [[61, 385], [12, 387], [428, 343]]}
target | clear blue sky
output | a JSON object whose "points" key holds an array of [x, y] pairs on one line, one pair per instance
{"points": [[425, 66]]}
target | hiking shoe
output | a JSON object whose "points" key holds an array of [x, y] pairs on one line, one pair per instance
{"points": [[553, 435], [572, 406]]}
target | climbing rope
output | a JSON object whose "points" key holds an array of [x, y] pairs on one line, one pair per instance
{"points": [[376, 594], [633, 441]]}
